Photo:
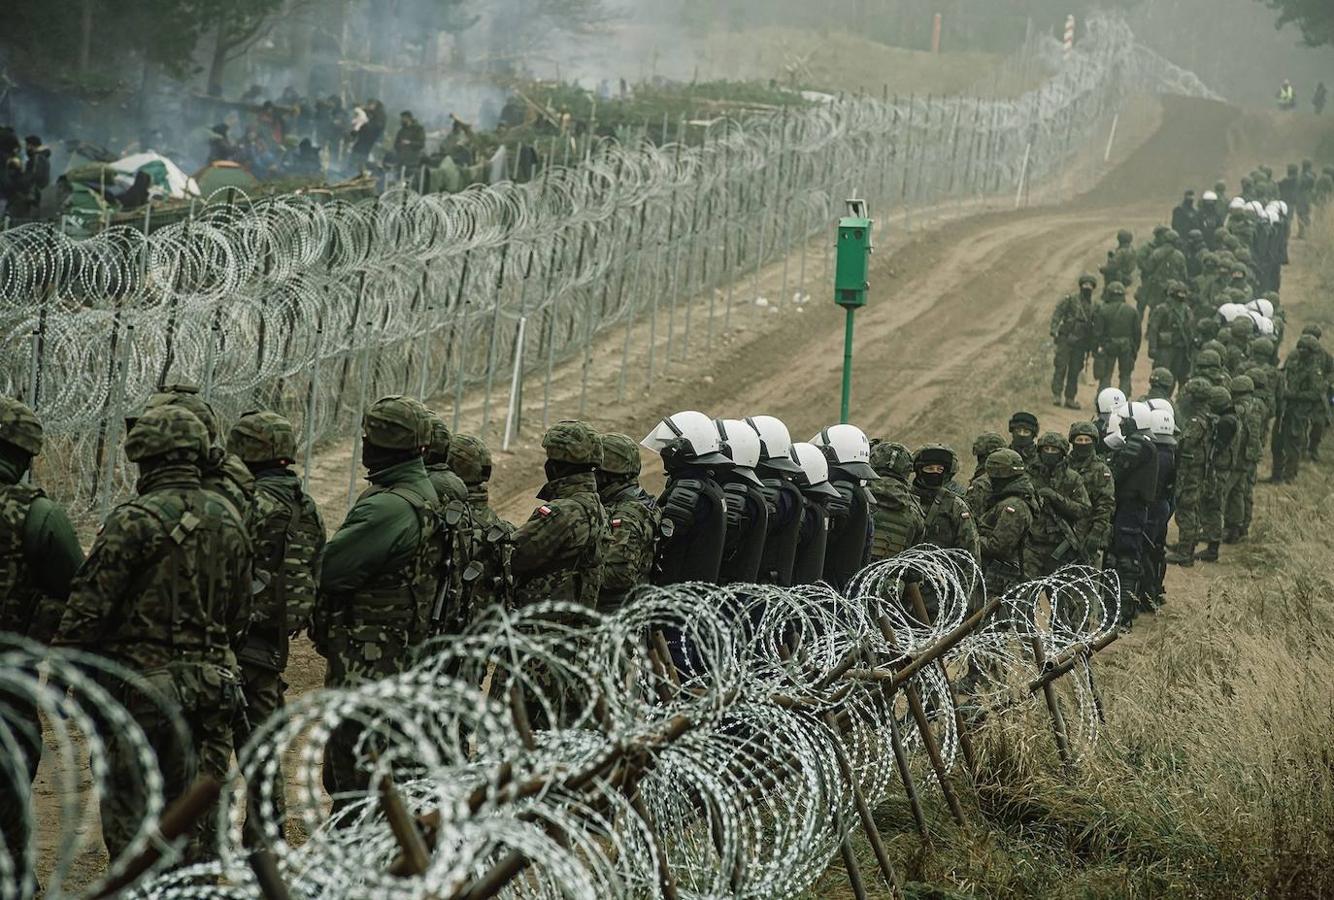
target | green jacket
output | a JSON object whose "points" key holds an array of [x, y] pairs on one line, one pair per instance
{"points": [[1072, 322], [1096, 529], [168, 578], [897, 516], [380, 533], [633, 522], [448, 486], [1116, 327], [1062, 505], [949, 523], [1171, 327], [558, 551], [1003, 530], [39, 555]]}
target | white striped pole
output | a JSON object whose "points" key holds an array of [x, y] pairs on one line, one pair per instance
{"points": [[1069, 43]]}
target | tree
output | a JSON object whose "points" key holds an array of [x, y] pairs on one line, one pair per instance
{"points": [[235, 26], [1315, 18]]}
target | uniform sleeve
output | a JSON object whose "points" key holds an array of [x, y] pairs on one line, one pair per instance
{"points": [[629, 539], [1072, 501], [125, 544], [1012, 523], [52, 550], [549, 530], [377, 529], [966, 536], [1057, 317]]}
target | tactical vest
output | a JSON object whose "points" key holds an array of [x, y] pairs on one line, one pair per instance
{"points": [[288, 534], [403, 600], [747, 525], [896, 521], [846, 549], [808, 564], [697, 508], [486, 577], [627, 565], [19, 597], [780, 542]]}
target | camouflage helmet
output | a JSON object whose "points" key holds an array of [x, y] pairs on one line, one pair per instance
{"points": [[1259, 378], [169, 430], [1208, 359], [936, 455], [1083, 427], [440, 437], [1240, 385], [1124, 236], [892, 458], [620, 454], [986, 443], [1220, 398], [1116, 289], [1207, 327], [188, 397], [572, 442], [1197, 390], [1159, 230], [1217, 346], [262, 436], [1314, 330], [1309, 343], [1088, 279], [1175, 288], [470, 459], [396, 423], [1171, 236], [1241, 327], [1162, 377], [1053, 440], [1262, 348], [20, 426], [1005, 463]]}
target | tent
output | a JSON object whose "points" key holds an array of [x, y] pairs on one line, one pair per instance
{"points": [[223, 174], [167, 176]]}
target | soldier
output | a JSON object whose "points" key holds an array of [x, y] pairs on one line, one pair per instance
{"points": [[380, 577], [1161, 385], [899, 521], [448, 486], [747, 509], [1062, 508], [1225, 462], [985, 444], [221, 471], [1004, 526], [1162, 428], [1116, 334], [693, 504], [289, 540], [813, 540], [1209, 366], [777, 469], [1169, 332], [453, 611], [487, 586], [848, 453], [947, 520], [1264, 359], [558, 551], [39, 555], [1071, 329], [1186, 217], [1121, 261], [1134, 465], [1023, 427], [633, 522], [1211, 218], [1143, 256], [1095, 531], [1240, 332], [1194, 474], [1195, 252], [1239, 483], [1301, 398], [1320, 421], [1166, 264], [1110, 402], [165, 591]]}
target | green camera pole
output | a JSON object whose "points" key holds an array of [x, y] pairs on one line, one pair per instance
{"points": [[850, 283]]}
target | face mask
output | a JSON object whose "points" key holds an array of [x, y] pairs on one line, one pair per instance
{"points": [[1086, 293], [1081, 452], [1050, 460], [930, 479], [1022, 440]]}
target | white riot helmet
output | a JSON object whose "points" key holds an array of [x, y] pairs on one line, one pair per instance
{"points": [[1158, 403], [1163, 426], [848, 448], [1262, 306], [742, 444], [1283, 208], [1112, 438], [1141, 414], [1258, 208], [1263, 324], [1209, 195], [814, 477], [1109, 399], [1230, 311], [689, 437], [1236, 203], [775, 443]]}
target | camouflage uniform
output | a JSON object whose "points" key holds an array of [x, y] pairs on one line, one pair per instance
{"points": [[1167, 264], [1194, 474], [39, 556], [453, 616], [898, 518], [381, 574], [1003, 528], [1320, 421], [979, 486], [1121, 262], [1304, 385], [633, 521], [948, 522], [1161, 385], [1250, 413], [1240, 333], [1209, 366], [1096, 530], [558, 551], [1071, 329], [289, 540], [448, 486], [166, 592], [1169, 332], [220, 471], [487, 582], [1116, 333], [1225, 458], [1062, 509]]}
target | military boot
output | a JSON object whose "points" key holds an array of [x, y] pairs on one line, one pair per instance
{"points": [[1071, 404], [1182, 554], [1231, 535], [1055, 399], [1210, 553]]}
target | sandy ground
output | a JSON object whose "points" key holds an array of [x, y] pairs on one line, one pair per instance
{"points": [[954, 338]]}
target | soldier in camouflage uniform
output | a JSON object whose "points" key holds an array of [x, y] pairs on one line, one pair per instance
{"points": [[1023, 428], [1304, 384], [1095, 531], [165, 591], [453, 616], [1143, 256], [1239, 484], [1116, 334], [1194, 475], [1170, 330], [380, 577], [1225, 462], [39, 555], [1121, 261], [898, 518], [948, 520], [1209, 366], [558, 551], [221, 471], [289, 541], [1161, 385], [448, 486], [979, 486], [1062, 509], [1004, 526], [1320, 421], [633, 522], [487, 585], [1167, 264], [1071, 330]]}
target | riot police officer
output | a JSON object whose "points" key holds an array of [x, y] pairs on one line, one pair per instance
{"points": [[691, 548], [747, 509], [848, 550], [777, 469]]}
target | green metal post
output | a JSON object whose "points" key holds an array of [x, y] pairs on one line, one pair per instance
{"points": [[847, 365]]}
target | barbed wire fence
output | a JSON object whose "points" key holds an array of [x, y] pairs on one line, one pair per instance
{"points": [[701, 741], [315, 308]]}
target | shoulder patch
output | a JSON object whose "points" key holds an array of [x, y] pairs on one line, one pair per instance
{"points": [[1107, 476], [1009, 509], [965, 515], [615, 523], [545, 511]]}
